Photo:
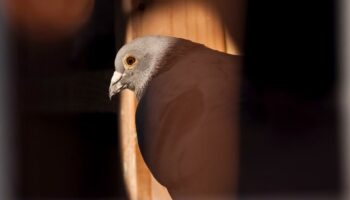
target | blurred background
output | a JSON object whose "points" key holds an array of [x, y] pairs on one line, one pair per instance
{"points": [[59, 130], [65, 127]]}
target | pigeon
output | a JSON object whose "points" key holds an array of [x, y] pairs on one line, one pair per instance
{"points": [[187, 113]]}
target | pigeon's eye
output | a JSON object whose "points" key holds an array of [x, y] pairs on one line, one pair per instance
{"points": [[129, 61]]}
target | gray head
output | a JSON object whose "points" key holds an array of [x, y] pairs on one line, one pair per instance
{"points": [[137, 61]]}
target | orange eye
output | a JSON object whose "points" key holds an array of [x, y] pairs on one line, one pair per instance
{"points": [[130, 60]]}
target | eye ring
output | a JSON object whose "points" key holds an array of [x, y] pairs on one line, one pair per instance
{"points": [[130, 60]]}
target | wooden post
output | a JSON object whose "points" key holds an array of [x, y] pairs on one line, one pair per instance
{"points": [[199, 21]]}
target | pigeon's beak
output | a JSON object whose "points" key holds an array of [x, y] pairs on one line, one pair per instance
{"points": [[116, 86]]}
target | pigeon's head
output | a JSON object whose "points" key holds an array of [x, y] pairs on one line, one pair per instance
{"points": [[137, 61]]}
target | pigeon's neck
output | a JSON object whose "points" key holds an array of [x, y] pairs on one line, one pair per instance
{"points": [[174, 51]]}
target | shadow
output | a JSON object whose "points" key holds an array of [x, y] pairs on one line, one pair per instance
{"points": [[289, 114], [67, 134]]}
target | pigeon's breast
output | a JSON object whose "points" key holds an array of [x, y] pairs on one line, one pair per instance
{"points": [[183, 110]]}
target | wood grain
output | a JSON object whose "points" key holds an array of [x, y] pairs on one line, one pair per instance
{"points": [[199, 21]]}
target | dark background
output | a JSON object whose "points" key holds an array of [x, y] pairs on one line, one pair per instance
{"points": [[67, 142], [67, 127], [289, 114]]}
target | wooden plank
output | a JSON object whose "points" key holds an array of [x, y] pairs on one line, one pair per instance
{"points": [[128, 141], [231, 46], [199, 21]]}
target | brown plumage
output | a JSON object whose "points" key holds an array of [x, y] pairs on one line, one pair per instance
{"points": [[187, 117]]}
